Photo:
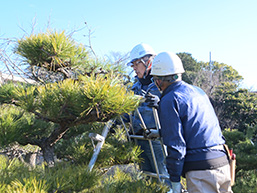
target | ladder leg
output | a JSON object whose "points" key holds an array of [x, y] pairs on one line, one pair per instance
{"points": [[158, 127], [154, 160], [151, 146], [100, 144]]}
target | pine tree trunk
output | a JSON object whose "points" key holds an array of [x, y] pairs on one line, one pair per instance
{"points": [[47, 144], [48, 154]]}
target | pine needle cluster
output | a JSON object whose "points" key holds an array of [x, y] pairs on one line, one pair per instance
{"points": [[51, 50], [73, 102]]}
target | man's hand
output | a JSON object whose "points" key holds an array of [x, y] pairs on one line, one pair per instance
{"points": [[176, 187], [152, 100], [152, 134]]}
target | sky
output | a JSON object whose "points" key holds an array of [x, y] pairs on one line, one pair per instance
{"points": [[225, 28]]}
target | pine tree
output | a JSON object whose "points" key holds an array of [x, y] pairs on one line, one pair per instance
{"points": [[45, 112]]}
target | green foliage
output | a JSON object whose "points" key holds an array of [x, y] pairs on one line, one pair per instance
{"points": [[246, 181], [208, 75], [236, 108], [29, 185], [189, 63], [6, 93], [124, 182], [54, 56], [233, 137], [191, 66], [244, 145], [98, 97], [226, 72], [48, 111], [9, 122], [108, 94], [13, 171], [116, 149], [246, 155], [19, 126], [119, 151], [51, 50], [72, 102], [65, 177], [77, 148]]}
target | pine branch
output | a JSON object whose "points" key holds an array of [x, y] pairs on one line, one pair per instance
{"points": [[31, 141], [42, 117], [57, 134]]}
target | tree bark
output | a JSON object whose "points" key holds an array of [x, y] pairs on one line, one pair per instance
{"points": [[48, 154], [47, 144]]}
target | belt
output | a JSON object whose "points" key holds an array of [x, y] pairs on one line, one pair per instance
{"points": [[216, 147], [205, 164]]}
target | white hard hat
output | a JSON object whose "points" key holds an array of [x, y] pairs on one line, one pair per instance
{"points": [[140, 51], [167, 63]]}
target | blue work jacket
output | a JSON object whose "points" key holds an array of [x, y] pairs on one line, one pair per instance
{"points": [[145, 111], [189, 127]]}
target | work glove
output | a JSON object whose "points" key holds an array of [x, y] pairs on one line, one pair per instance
{"points": [[114, 125], [152, 134], [176, 187], [152, 100]]}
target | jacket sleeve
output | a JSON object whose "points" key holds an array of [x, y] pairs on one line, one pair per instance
{"points": [[172, 134]]}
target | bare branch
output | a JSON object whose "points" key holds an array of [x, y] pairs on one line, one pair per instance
{"points": [[74, 31], [15, 68], [90, 33], [34, 22]]}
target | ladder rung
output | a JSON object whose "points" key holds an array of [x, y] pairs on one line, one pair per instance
{"points": [[163, 176], [138, 137], [96, 137]]}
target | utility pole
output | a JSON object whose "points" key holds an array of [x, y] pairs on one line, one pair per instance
{"points": [[211, 78], [210, 61]]}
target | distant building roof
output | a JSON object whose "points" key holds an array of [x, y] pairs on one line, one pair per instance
{"points": [[5, 77]]}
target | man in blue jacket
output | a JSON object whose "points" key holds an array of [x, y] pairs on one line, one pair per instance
{"points": [[190, 130], [141, 57]]}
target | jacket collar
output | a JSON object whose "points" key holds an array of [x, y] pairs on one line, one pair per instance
{"points": [[171, 87], [145, 81]]}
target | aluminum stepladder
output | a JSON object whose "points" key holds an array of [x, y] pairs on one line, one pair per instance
{"points": [[101, 139], [157, 175]]}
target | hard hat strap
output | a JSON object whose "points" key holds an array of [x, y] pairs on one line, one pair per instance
{"points": [[147, 62], [171, 79], [160, 85], [154, 79]]}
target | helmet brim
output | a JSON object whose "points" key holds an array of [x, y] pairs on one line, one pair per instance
{"points": [[129, 64]]}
